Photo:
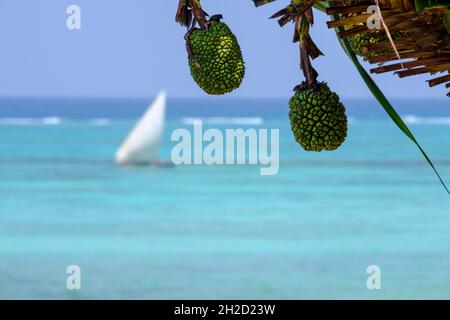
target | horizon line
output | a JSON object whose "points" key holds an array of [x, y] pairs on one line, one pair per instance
{"points": [[142, 97]]}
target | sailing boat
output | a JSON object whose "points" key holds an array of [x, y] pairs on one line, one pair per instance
{"points": [[142, 145]]}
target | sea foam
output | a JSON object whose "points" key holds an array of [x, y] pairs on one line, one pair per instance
{"points": [[226, 120], [47, 121], [412, 119]]}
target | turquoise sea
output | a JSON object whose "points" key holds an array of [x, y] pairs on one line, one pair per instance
{"points": [[220, 232]]}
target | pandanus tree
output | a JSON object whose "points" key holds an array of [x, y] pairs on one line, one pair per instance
{"points": [[407, 37]]}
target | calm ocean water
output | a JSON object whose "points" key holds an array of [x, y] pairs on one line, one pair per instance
{"points": [[223, 231]]}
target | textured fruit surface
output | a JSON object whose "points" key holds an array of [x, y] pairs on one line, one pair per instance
{"points": [[216, 64], [357, 43], [318, 119]]}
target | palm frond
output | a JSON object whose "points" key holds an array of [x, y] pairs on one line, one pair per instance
{"points": [[387, 106]]}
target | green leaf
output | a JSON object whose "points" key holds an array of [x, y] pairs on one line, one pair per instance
{"points": [[321, 6], [378, 94], [447, 21], [423, 4]]}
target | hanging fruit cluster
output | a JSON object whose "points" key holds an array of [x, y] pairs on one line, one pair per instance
{"points": [[317, 116], [215, 58], [214, 54]]}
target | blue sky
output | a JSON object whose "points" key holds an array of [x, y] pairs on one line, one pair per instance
{"points": [[134, 48]]}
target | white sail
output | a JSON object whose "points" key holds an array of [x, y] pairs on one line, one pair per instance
{"points": [[143, 143]]}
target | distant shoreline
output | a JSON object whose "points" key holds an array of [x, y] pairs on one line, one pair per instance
{"points": [[131, 108]]}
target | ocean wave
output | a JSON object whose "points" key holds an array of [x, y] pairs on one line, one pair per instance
{"points": [[412, 119], [47, 121], [224, 120], [351, 120], [51, 121], [101, 122]]}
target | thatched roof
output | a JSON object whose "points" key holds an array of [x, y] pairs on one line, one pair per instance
{"points": [[422, 47]]}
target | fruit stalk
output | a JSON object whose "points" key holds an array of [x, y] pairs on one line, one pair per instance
{"points": [[300, 12], [189, 13], [308, 49]]}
